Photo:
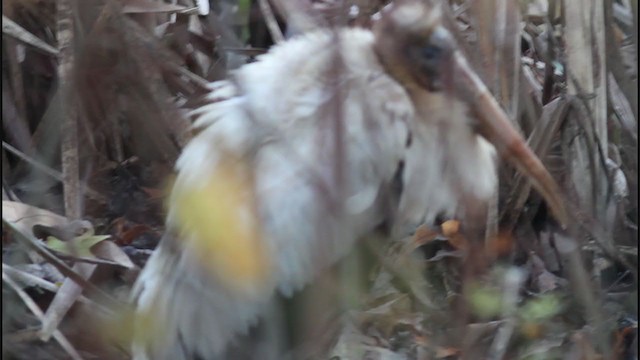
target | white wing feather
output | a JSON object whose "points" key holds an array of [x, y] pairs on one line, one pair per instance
{"points": [[271, 111]]}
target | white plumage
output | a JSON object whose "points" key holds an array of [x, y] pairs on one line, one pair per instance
{"points": [[268, 114], [311, 196]]}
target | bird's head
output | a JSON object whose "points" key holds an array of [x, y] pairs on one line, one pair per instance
{"points": [[413, 45], [419, 52]]}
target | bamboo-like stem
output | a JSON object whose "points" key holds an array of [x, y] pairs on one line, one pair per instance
{"points": [[70, 171]]}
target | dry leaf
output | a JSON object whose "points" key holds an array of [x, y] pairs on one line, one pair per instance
{"points": [[446, 352], [147, 7], [423, 235], [24, 216], [108, 250], [500, 245]]}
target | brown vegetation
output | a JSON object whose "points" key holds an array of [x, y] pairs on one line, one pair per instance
{"points": [[94, 94]]}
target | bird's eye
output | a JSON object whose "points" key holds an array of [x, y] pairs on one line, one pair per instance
{"points": [[431, 52]]}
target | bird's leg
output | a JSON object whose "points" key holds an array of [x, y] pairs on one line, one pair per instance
{"points": [[473, 228]]}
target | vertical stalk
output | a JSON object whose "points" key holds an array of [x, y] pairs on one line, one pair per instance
{"points": [[69, 141]]}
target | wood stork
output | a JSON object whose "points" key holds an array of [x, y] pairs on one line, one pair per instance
{"points": [[308, 149]]}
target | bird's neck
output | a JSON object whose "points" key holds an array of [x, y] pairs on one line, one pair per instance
{"points": [[439, 108]]}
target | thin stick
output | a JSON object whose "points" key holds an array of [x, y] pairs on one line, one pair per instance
{"points": [[70, 171], [35, 309], [32, 243], [50, 172], [16, 31], [32, 280], [272, 23]]}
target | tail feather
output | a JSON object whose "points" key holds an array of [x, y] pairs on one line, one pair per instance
{"points": [[185, 317]]}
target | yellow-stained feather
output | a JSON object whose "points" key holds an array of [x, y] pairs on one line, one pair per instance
{"points": [[219, 216]]}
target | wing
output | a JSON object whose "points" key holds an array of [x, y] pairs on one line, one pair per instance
{"points": [[446, 161], [318, 131]]}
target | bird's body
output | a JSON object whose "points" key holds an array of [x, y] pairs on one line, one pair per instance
{"points": [[272, 124], [325, 144]]}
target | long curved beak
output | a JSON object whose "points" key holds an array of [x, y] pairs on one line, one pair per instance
{"points": [[494, 125]]}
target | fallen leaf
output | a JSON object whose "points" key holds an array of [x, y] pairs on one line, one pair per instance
{"points": [[423, 235], [108, 250], [441, 254], [458, 241], [445, 352], [500, 245], [80, 246], [24, 216], [543, 280], [126, 237]]}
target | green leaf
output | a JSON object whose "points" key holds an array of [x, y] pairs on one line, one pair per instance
{"points": [[80, 246], [486, 302], [541, 308]]}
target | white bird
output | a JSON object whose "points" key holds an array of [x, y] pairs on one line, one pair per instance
{"points": [[305, 150]]}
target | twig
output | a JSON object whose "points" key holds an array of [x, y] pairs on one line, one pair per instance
{"points": [[69, 150], [498, 32], [586, 74], [13, 122], [298, 15], [622, 108], [17, 84], [21, 336], [35, 309], [87, 260], [32, 243], [45, 169], [512, 282], [197, 80], [64, 299], [272, 23], [403, 275], [18, 32], [32, 280], [510, 76], [51, 172], [552, 118], [29, 279]]}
